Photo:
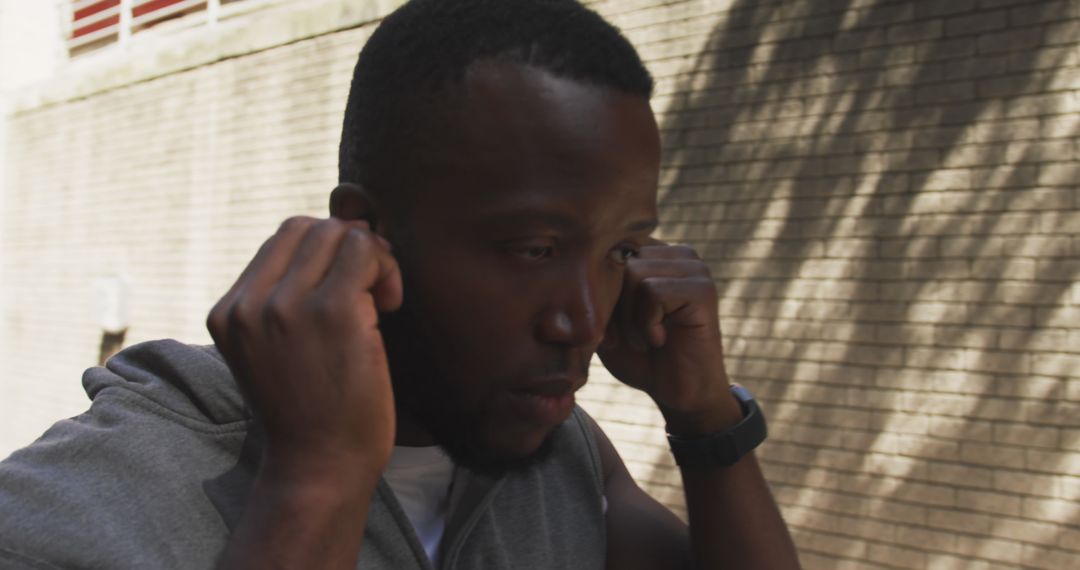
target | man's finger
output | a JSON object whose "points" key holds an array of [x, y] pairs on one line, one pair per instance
{"points": [[363, 263], [663, 262], [640, 268], [272, 259], [670, 301], [313, 257], [656, 249], [257, 278]]}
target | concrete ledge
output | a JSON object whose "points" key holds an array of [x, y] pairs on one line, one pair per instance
{"points": [[247, 29]]}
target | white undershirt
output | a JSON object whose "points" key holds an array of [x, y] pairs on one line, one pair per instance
{"points": [[420, 478]]}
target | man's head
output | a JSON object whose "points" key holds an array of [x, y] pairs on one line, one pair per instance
{"points": [[419, 56], [507, 150]]}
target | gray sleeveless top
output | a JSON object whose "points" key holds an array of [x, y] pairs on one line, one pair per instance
{"points": [[155, 474]]}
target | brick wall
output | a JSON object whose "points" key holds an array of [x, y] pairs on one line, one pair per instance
{"points": [[886, 193]]}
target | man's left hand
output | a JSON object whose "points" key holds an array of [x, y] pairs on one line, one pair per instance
{"points": [[664, 338]]}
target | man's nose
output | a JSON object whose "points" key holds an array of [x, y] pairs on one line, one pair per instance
{"points": [[577, 313]]}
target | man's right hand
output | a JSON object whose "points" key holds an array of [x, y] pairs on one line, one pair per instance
{"points": [[299, 331]]}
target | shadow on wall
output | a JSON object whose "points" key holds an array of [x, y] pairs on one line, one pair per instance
{"points": [[886, 195]]}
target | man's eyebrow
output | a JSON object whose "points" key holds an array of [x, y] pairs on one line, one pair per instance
{"points": [[523, 216], [518, 217]]}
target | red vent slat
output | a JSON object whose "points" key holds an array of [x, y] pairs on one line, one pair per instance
{"points": [[153, 6], [100, 24], [94, 9]]}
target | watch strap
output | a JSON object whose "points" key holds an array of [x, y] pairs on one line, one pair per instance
{"points": [[726, 448]]}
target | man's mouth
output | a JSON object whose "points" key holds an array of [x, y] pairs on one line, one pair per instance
{"points": [[551, 386], [547, 401]]}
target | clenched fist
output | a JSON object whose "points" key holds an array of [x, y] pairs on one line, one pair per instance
{"points": [[664, 338], [299, 330]]}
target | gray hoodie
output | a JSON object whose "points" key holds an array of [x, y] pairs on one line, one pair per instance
{"points": [[156, 473]]}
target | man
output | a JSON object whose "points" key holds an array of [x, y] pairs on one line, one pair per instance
{"points": [[408, 365]]}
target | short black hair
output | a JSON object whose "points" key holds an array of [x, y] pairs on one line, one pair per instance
{"points": [[425, 46]]}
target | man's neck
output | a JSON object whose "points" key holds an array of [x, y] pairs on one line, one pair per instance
{"points": [[410, 433]]}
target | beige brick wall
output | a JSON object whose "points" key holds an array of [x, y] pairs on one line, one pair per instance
{"points": [[886, 193]]}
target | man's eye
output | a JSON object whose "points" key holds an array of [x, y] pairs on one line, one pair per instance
{"points": [[623, 253], [532, 252]]}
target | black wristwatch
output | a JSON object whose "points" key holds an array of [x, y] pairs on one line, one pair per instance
{"points": [[725, 448]]}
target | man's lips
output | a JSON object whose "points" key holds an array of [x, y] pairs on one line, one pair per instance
{"points": [[546, 402], [551, 387]]}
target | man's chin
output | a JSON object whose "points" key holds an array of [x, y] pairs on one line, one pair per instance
{"points": [[493, 462]]}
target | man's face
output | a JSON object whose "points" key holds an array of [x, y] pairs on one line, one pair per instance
{"points": [[514, 257]]}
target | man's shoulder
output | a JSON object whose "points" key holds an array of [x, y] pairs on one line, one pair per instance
{"points": [[191, 383], [165, 451]]}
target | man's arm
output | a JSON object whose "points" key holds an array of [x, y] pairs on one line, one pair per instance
{"points": [[664, 338], [734, 522], [641, 533], [300, 516]]}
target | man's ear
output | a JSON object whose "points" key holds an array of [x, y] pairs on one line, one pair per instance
{"points": [[354, 202]]}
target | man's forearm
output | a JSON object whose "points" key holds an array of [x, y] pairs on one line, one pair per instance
{"points": [[302, 517], [734, 521]]}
